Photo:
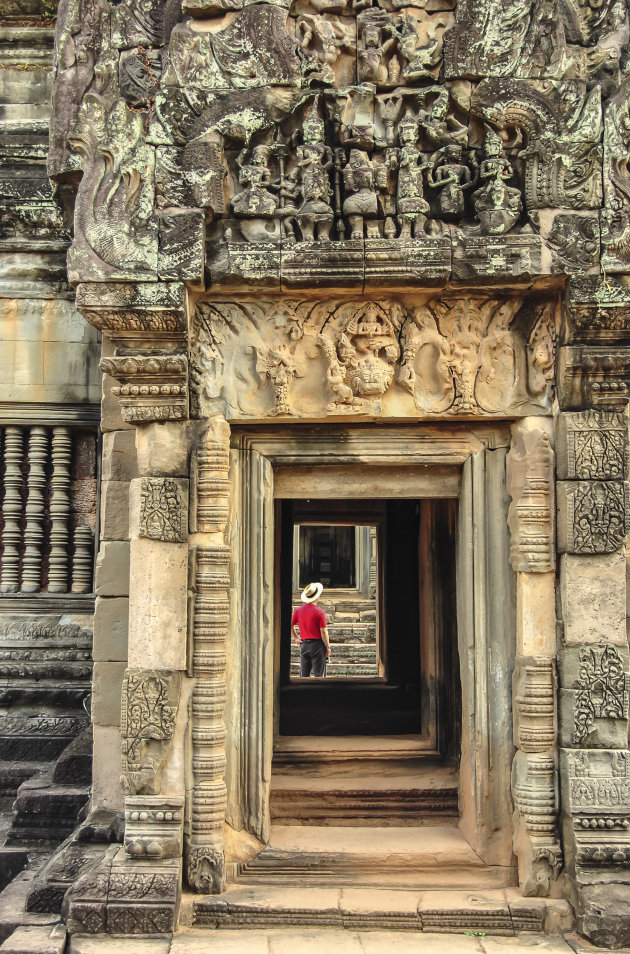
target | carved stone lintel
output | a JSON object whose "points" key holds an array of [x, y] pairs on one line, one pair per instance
{"points": [[530, 483], [163, 509], [398, 357], [592, 445], [591, 515], [150, 699], [153, 826]]}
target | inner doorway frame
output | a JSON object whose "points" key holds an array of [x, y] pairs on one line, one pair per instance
{"points": [[465, 461]]}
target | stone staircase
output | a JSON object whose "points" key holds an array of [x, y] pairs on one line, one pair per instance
{"points": [[352, 633]]}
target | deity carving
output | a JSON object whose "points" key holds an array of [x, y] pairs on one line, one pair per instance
{"points": [[453, 178], [411, 206], [363, 178], [361, 363], [497, 206]]}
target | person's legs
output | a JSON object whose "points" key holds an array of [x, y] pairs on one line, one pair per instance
{"points": [[305, 660], [319, 658]]}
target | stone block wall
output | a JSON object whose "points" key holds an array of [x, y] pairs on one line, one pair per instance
{"points": [[49, 412]]}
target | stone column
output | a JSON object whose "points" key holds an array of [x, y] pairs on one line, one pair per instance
{"points": [[593, 667], [530, 482]]}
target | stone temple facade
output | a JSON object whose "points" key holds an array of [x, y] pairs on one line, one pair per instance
{"points": [[359, 263]]}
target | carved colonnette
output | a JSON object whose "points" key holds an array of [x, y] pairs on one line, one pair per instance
{"points": [[204, 843], [531, 517]]}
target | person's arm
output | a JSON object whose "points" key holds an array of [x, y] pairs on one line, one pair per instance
{"points": [[324, 632], [323, 628], [295, 634]]}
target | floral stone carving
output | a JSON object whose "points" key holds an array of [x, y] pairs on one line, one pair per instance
{"points": [[602, 690], [150, 699]]}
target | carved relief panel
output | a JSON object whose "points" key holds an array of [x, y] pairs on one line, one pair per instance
{"points": [[426, 356]]}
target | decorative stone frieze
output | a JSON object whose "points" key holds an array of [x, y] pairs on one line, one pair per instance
{"points": [[204, 847], [430, 356], [153, 826], [599, 308], [150, 699], [530, 483], [595, 375], [163, 509], [591, 515], [598, 797]]}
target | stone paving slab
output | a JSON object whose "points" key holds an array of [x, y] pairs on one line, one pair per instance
{"points": [[330, 941]]}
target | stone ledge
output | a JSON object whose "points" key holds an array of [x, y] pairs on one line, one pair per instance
{"points": [[500, 912]]}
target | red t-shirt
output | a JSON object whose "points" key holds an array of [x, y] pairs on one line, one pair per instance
{"points": [[310, 620]]}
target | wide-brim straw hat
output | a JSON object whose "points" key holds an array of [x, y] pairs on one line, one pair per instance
{"points": [[312, 592]]}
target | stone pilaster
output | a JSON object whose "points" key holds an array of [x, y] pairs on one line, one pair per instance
{"points": [[145, 559], [593, 668], [530, 473]]}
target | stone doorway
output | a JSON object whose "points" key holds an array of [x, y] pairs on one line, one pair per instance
{"points": [[445, 470], [379, 747]]}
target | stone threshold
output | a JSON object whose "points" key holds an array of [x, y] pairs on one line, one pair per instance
{"points": [[502, 912], [436, 856]]}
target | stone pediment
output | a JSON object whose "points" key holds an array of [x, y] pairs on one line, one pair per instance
{"points": [[313, 144]]}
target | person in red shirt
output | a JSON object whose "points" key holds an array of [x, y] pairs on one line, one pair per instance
{"points": [[309, 629]]}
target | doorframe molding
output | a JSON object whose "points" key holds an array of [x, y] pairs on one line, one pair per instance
{"points": [[486, 588]]}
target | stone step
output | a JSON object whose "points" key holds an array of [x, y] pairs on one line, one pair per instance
{"points": [[45, 813], [346, 667], [311, 752], [415, 792], [362, 808], [413, 857], [484, 911]]}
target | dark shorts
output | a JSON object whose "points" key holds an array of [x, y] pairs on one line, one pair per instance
{"points": [[312, 657]]}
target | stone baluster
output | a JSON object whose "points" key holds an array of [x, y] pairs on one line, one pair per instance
{"points": [[60, 510], [12, 509], [205, 850], [82, 561], [38, 450]]}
